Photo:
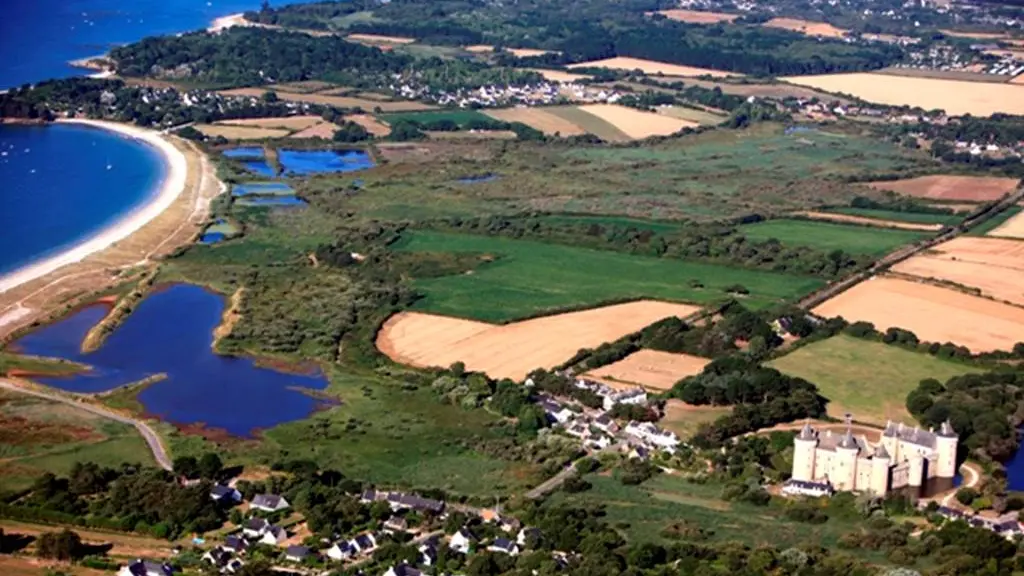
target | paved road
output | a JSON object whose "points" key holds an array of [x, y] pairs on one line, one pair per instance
{"points": [[553, 482], [151, 438]]}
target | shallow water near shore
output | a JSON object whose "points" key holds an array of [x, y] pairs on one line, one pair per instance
{"points": [[63, 183], [171, 332], [39, 37]]}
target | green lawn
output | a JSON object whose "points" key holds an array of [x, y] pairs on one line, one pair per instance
{"points": [[895, 216], [528, 278], [591, 123], [865, 378], [828, 236], [995, 222], [643, 512]]}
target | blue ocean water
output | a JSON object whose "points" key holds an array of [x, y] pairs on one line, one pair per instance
{"points": [[171, 332], [39, 37], [57, 188]]}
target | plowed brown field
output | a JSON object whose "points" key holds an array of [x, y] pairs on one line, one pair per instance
{"points": [[949, 187], [994, 266], [513, 350], [537, 118], [806, 27], [935, 314], [649, 368], [697, 16], [652, 67]]}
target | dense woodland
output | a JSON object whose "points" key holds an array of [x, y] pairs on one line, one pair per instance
{"points": [[593, 29]]}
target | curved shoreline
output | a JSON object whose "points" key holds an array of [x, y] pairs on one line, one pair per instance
{"points": [[167, 191]]}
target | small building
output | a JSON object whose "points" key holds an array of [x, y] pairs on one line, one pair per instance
{"points": [[605, 423], [396, 524], [462, 541], [804, 488], [235, 545], [555, 412], [637, 396], [142, 567], [255, 527], [297, 553], [364, 543], [273, 536], [651, 434], [341, 551], [225, 495], [218, 557], [504, 546], [269, 503], [428, 554]]}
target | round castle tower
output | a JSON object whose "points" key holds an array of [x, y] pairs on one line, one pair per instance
{"points": [[946, 441], [844, 468], [804, 448], [880, 462]]}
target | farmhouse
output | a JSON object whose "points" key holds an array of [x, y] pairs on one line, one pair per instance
{"points": [[461, 541], [801, 488], [636, 396], [146, 568], [402, 570], [651, 434], [274, 536], [904, 457], [504, 546], [269, 503], [401, 501], [297, 553], [255, 527], [225, 494]]}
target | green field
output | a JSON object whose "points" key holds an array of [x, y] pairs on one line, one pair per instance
{"points": [[867, 379], [896, 216], [38, 435], [460, 117], [593, 124], [995, 222], [643, 512], [828, 236], [529, 278]]}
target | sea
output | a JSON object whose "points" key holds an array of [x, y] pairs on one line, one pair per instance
{"points": [[62, 184]]}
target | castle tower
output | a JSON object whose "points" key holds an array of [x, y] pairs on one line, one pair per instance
{"points": [[804, 446], [844, 468], [946, 441], [880, 471], [915, 475]]}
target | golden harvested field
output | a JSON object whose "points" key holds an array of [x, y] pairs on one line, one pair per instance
{"points": [[558, 75], [950, 187], [513, 350], [286, 123], [954, 96], [994, 265], [691, 115], [650, 369], [1012, 228], [241, 132], [337, 101], [697, 16], [982, 35], [323, 130], [806, 27], [517, 52], [653, 67], [965, 75], [372, 125], [1018, 80], [869, 221], [935, 314], [377, 39], [635, 123], [537, 118], [305, 86]]}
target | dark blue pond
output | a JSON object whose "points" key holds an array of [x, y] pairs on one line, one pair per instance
{"points": [[211, 238], [260, 168], [265, 188], [171, 331], [478, 179], [247, 152], [271, 201], [1015, 471], [306, 162]]}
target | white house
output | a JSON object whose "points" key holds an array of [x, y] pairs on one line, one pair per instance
{"points": [[461, 541], [146, 568], [273, 536], [524, 534], [555, 411], [255, 527], [801, 488], [297, 553], [364, 542], [341, 551], [633, 396], [402, 570], [269, 503], [225, 494], [651, 434], [504, 546]]}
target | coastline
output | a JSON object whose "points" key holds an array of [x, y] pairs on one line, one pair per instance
{"points": [[171, 186]]}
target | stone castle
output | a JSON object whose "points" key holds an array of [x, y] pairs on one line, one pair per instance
{"points": [[904, 457]]}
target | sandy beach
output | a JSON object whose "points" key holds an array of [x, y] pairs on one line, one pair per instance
{"points": [[170, 188], [228, 21]]}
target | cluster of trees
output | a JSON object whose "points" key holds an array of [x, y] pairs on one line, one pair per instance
{"points": [[127, 498], [311, 16], [984, 409], [717, 243], [896, 203], [689, 93], [761, 397]]}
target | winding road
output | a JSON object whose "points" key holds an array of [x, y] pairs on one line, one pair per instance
{"points": [[156, 446]]}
